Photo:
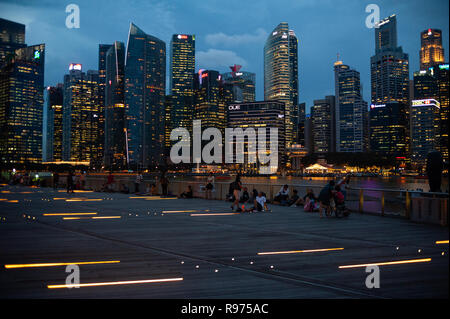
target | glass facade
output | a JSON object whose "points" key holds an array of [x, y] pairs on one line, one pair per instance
{"points": [[182, 66], [12, 37], [281, 73], [351, 110], [53, 123], [21, 106], [424, 129], [80, 116], [243, 84], [323, 125], [115, 133], [389, 129], [145, 85]]}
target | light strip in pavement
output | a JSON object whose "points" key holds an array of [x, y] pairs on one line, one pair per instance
{"points": [[112, 283], [299, 251], [409, 261], [13, 266]]}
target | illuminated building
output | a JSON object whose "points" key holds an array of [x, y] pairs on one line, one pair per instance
{"points": [[351, 110], [260, 114], [80, 115], [12, 37], [115, 133], [211, 97], [168, 105], [424, 129], [281, 74], [21, 106], [323, 125], [434, 84], [182, 66], [145, 85], [243, 84], [301, 124], [53, 124], [102, 50], [389, 69], [431, 50], [389, 129], [295, 153]]}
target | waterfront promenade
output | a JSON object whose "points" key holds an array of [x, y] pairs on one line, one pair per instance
{"points": [[207, 252]]}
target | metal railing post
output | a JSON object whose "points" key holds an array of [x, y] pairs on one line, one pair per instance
{"points": [[382, 203], [408, 205], [361, 200]]}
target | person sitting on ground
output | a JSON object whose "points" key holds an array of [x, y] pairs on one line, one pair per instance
{"points": [[310, 201], [283, 195], [294, 198], [245, 196], [188, 193], [259, 204]]}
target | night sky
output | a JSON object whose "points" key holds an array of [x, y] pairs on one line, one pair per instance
{"points": [[231, 31]]}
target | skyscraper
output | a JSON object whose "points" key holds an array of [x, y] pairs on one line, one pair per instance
{"points": [[12, 37], [115, 133], [442, 74], [431, 50], [53, 123], [211, 97], [281, 73], [80, 115], [323, 125], [389, 66], [243, 84], [145, 85], [424, 129], [21, 106], [102, 50], [389, 129], [351, 110], [301, 123], [182, 66]]}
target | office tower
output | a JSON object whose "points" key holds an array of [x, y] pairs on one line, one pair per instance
{"points": [[12, 37], [168, 105], [425, 84], [351, 110], [21, 106], [301, 124], [145, 85], [281, 73], [309, 134], [431, 50], [243, 84], [389, 129], [424, 129], [442, 74], [115, 133], [260, 114], [211, 97], [53, 123], [182, 66], [389, 66], [102, 50], [80, 115], [323, 125]]}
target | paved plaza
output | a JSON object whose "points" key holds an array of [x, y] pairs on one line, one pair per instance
{"points": [[153, 247]]}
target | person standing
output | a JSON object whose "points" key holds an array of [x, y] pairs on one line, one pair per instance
{"points": [[209, 186], [237, 186], [70, 182], [325, 197], [137, 183], [164, 184]]}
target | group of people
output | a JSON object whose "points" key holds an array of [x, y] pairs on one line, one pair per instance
{"points": [[257, 200], [73, 181]]}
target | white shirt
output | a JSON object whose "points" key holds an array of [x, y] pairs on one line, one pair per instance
{"points": [[261, 200]]}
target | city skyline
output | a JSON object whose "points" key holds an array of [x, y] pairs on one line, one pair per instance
{"points": [[224, 43]]}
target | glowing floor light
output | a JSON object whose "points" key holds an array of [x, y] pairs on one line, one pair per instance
{"points": [[299, 251], [12, 266], [214, 214], [440, 242], [68, 214], [410, 261], [112, 283]]}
